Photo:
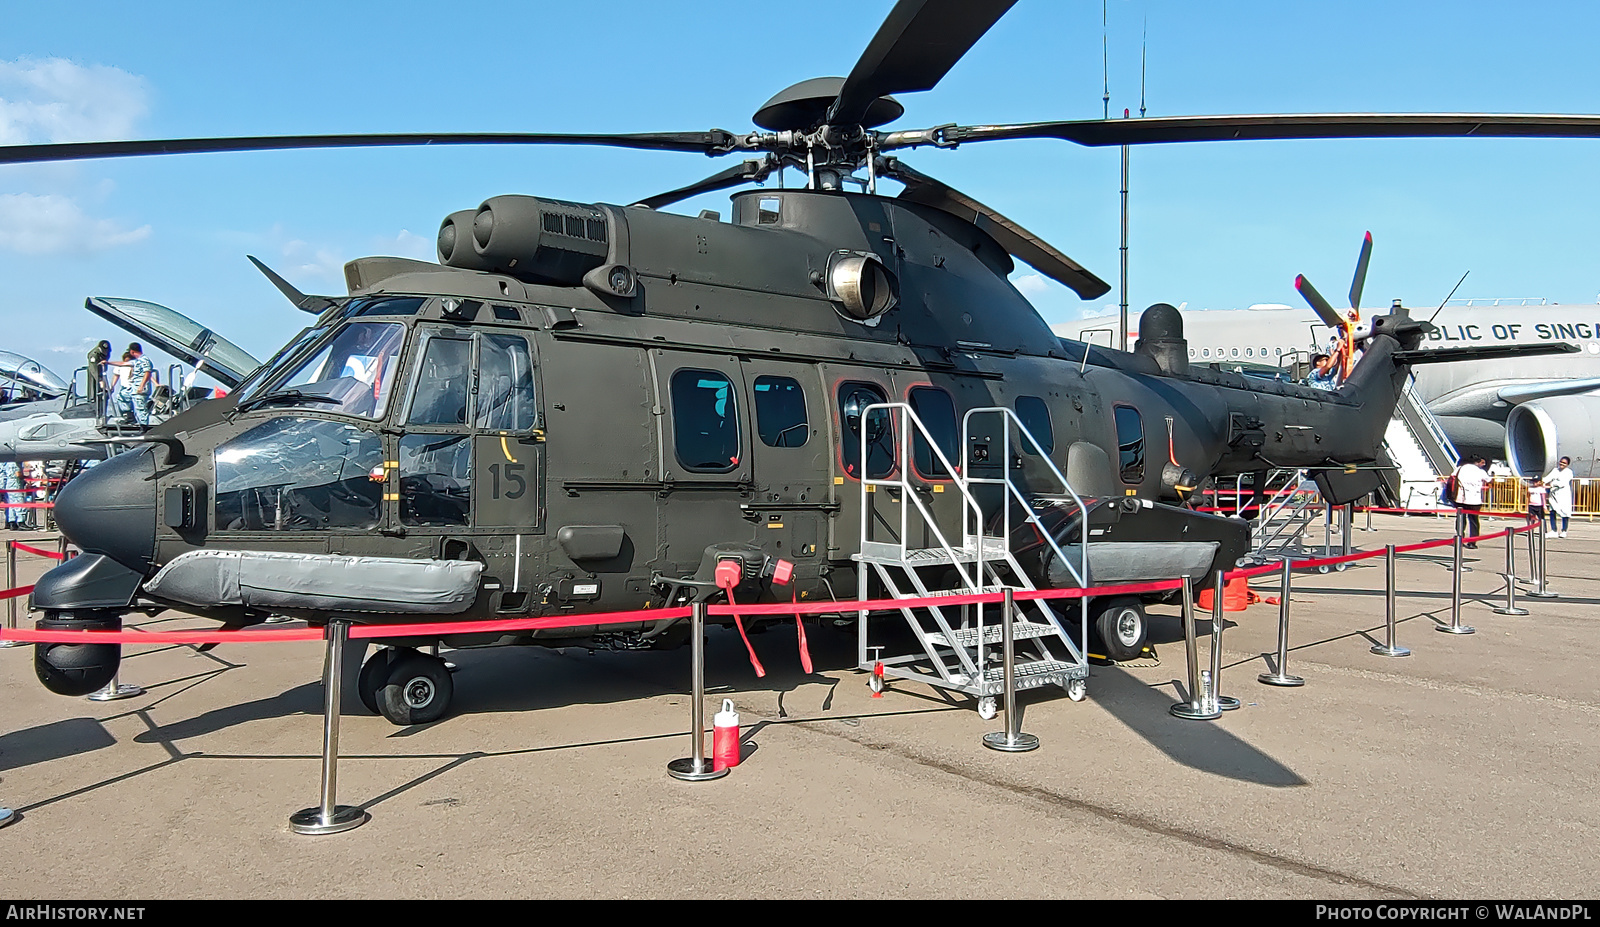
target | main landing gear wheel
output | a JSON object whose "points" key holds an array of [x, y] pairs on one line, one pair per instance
{"points": [[374, 675], [417, 689], [988, 708], [1122, 627]]}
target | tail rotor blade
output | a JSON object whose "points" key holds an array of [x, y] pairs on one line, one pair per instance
{"points": [[1325, 310], [1360, 279]]}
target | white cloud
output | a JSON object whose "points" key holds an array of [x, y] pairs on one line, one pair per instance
{"points": [[1031, 285], [55, 100], [407, 244], [313, 262], [53, 224]]}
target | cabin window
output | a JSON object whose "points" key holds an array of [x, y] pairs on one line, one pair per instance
{"points": [[1130, 444], [781, 412], [440, 394], [854, 397], [937, 412], [1035, 416], [299, 474], [705, 421], [506, 400], [435, 479]]}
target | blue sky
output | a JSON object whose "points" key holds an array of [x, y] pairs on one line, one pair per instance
{"points": [[1216, 225]]}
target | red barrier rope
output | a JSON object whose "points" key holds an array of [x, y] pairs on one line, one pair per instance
{"points": [[52, 554]]}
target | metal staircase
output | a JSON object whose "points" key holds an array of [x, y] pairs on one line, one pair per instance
{"points": [[959, 645], [1289, 502], [1420, 450]]}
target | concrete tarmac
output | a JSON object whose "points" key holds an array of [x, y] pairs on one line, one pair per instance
{"points": [[1465, 770]]}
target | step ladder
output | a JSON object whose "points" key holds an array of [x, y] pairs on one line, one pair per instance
{"points": [[1289, 502], [960, 646]]}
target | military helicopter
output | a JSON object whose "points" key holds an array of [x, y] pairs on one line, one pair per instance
{"points": [[585, 408]]}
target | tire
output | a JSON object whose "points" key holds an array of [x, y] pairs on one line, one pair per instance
{"points": [[1122, 627], [374, 676], [417, 689]]}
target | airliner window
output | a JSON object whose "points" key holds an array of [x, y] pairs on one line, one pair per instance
{"points": [[440, 394], [705, 421], [1035, 416], [295, 474], [781, 412], [351, 375], [1130, 444], [937, 412], [853, 398], [435, 479], [505, 384]]}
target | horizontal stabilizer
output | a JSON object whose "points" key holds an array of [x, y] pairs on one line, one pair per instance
{"points": [[1487, 352], [1527, 392]]}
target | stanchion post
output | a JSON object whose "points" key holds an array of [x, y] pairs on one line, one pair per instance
{"points": [[11, 603], [1510, 608], [114, 690], [1371, 501], [1455, 626], [1540, 590], [1282, 677], [1349, 522], [1196, 708], [1218, 700], [1389, 648], [1010, 740], [329, 817], [696, 767]]}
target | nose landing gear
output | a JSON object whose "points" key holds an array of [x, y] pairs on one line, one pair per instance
{"points": [[406, 686]]}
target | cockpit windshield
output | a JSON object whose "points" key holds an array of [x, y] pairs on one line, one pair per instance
{"points": [[351, 373]]}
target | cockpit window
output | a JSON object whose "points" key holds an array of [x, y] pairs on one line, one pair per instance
{"points": [[390, 305], [352, 374], [296, 474], [505, 384], [440, 395], [279, 361]]}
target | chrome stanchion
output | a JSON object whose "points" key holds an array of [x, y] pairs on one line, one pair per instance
{"points": [[1010, 740], [114, 690], [61, 546], [1371, 500], [328, 817], [1389, 648], [7, 816], [1455, 626], [696, 767], [11, 603], [1327, 529], [1349, 522], [1540, 590], [1218, 700], [1197, 707], [1282, 677], [1510, 608]]}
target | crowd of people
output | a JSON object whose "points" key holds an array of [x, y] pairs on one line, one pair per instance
{"points": [[1549, 497], [121, 389]]}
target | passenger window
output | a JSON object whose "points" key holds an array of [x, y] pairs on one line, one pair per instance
{"points": [[435, 479], [440, 394], [1035, 416], [781, 412], [937, 412], [853, 398], [505, 384], [1130, 444], [705, 421]]}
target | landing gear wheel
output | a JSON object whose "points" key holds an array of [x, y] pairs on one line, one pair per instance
{"points": [[374, 674], [1122, 627], [875, 683], [417, 689], [1077, 689], [988, 708]]}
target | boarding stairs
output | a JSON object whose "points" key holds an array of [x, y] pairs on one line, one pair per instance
{"points": [[1420, 450], [1289, 501], [960, 646]]}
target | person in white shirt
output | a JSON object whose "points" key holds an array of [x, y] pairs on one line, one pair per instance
{"points": [[1471, 477], [1559, 483]]}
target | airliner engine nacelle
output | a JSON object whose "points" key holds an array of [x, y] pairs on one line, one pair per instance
{"points": [[1543, 431]]}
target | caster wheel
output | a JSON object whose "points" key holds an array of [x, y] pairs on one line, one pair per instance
{"points": [[988, 708], [875, 683], [1077, 689], [374, 673], [1340, 566], [417, 689], [1323, 568]]}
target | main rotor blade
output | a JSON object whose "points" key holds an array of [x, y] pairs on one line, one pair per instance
{"points": [[918, 43], [1018, 241], [1156, 130], [1325, 311], [714, 142], [752, 171], [1360, 279]]}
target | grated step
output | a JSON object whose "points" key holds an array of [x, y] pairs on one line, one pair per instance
{"points": [[1031, 674], [993, 634], [879, 552]]}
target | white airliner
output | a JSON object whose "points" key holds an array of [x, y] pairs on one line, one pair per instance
{"points": [[1529, 412]]}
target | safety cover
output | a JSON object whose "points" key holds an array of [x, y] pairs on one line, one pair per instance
{"points": [[323, 582]]}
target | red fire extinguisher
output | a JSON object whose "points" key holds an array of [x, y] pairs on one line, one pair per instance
{"points": [[725, 737]]}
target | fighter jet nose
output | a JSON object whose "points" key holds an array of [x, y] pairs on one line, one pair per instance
{"points": [[111, 509]]}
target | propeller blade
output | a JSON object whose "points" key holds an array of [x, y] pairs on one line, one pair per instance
{"points": [[1325, 310], [1360, 279], [753, 171], [1159, 129], [1018, 241], [918, 43], [714, 142], [312, 304]]}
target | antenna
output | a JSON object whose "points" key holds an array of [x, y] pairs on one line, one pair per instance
{"points": [[1105, 64], [1447, 296], [1144, 42]]}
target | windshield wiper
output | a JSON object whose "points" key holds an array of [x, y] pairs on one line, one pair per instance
{"points": [[283, 395]]}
